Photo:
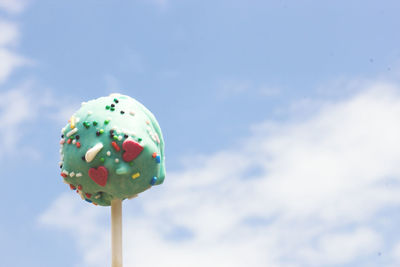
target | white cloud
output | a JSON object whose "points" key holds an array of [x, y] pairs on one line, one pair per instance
{"points": [[21, 106], [9, 60], [13, 6], [306, 192]]}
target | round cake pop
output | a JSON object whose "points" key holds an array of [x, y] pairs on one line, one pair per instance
{"points": [[112, 148]]}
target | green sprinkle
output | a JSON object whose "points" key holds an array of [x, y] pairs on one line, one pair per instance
{"points": [[115, 137], [107, 107], [112, 108], [106, 121], [86, 124], [139, 139], [101, 131], [94, 123], [102, 159], [71, 137], [116, 100]]}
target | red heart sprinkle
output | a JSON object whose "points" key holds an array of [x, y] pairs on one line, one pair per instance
{"points": [[132, 150], [99, 175]]}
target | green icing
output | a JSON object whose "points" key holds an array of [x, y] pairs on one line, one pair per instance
{"points": [[93, 122]]}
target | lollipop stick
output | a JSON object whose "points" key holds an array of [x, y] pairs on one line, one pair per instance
{"points": [[116, 232]]}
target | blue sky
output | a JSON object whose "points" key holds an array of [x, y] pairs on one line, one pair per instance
{"points": [[280, 120]]}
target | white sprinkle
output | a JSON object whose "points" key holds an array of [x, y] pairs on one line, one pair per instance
{"points": [[63, 130], [147, 122], [78, 174], [97, 196], [60, 163], [89, 112], [132, 113], [120, 138], [108, 153], [91, 153], [116, 160], [65, 172], [74, 142], [72, 174], [77, 120], [73, 131]]}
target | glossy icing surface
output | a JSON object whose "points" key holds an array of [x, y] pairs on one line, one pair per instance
{"points": [[112, 147]]}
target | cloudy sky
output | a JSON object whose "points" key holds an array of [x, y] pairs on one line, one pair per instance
{"points": [[281, 121]]}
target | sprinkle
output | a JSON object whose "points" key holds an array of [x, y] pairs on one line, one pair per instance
{"points": [[112, 109], [108, 153], [78, 145], [116, 100], [102, 159], [72, 174], [120, 138], [62, 136], [80, 187], [69, 140], [98, 133], [94, 203], [60, 163], [107, 107], [154, 155], [147, 122], [135, 175], [122, 112], [153, 180], [158, 159], [139, 139], [116, 160], [62, 141], [97, 196], [88, 200], [115, 146], [126, 136], [79, 174], [91, 153], [64, 175], [112, 105], [88, 195], [106, 121], [72, 120], [77, 137], [61, 166], [74, 142], [115, 137], [131, 113], [72, 187], [94, 123], [101, 131], [83, 158], [73, 131]]}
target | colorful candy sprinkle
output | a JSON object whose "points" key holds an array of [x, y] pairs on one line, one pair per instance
{"points": [[78, 145], [153, 180], [115, 146], [72, 122], [72, 187], [88, 195], [91, 153], [158, 159], [73, 131], [80, 187], [154, 155], [135, 175]]}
